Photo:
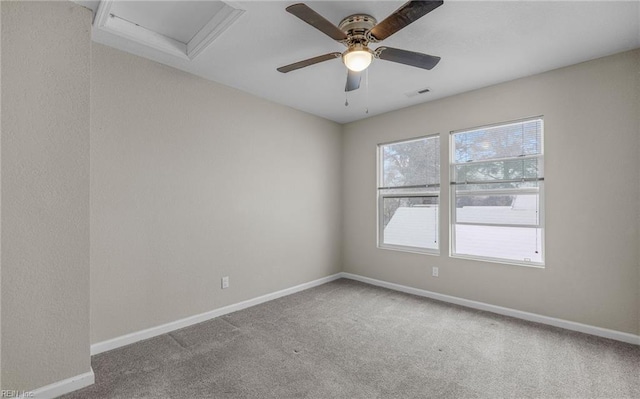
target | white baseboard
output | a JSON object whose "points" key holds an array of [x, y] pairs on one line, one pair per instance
{"points": [[62, 387], [178, 324], [83, 380], [199, 318], [552, 321]]}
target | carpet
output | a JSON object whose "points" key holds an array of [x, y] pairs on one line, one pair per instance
{"points": [[346, 339]]}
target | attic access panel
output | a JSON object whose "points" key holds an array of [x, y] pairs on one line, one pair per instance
{"points": [[178, 28]]}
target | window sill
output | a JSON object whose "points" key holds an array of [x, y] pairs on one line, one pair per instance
{"points": [[533, 265], [413, 250]]}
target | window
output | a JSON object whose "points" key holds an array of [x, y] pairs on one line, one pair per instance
{"points": [[497, 193], [408, 195]]}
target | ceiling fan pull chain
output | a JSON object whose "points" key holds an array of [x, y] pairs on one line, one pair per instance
{"points": [[366, 85], [346, 99]]}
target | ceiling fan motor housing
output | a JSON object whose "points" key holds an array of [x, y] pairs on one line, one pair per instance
{"points": [[356, 27]]}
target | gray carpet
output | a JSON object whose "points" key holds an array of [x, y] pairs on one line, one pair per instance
{"points": [[346, 339]]}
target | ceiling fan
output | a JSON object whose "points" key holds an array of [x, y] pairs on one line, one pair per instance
{"points": [[358, 31]]}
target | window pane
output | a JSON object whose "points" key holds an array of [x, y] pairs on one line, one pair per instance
{"points": [[509, 243], [410, 221], [411, 163], [505, 141], [498, 209], [511, 169]]}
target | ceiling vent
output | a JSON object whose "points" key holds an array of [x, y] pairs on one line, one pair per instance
{"points": [[179, 28], [417, 92]]}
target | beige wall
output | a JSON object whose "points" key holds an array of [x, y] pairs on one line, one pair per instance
{"points": [[192, 181], [592, 175], [45, 193]]}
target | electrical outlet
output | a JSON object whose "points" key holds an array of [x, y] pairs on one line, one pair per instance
{"points": [[225, 282], [434, 272]]}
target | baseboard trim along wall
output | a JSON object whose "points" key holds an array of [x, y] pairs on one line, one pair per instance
{"points": [[518, 314], [62, 387], [188, 321], [199, 318]]}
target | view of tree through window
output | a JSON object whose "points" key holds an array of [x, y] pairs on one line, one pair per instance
{"points": [[497, 177], [409, 194], [411, 163]]}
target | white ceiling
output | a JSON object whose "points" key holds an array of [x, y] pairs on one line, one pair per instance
{"points": [[169, 18], [481, 43]]}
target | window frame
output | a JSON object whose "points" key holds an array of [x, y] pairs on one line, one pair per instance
{"points": [[540, 191], [380, 197]]}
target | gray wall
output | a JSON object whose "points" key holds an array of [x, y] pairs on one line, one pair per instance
{"points": [[45, 193], [592, 175], [192, 181]]}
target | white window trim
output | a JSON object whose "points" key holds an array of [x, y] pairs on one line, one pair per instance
{"points": [[381, 196], [539, 191]]}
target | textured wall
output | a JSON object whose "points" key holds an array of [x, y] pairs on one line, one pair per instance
{"points": [[192, 181], [592, 175], [45, 193]]}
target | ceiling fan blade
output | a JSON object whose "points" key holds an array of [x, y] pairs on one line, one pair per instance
{"points": [[403, 16], [316, 20], [310, 61], [353, 80], [420, 60]]}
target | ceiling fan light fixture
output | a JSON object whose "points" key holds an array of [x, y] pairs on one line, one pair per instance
{"points": [[357, 58]]}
